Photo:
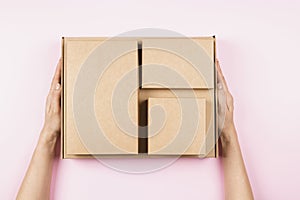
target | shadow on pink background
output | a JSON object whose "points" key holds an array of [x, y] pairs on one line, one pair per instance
{"points": [[258, 47]]}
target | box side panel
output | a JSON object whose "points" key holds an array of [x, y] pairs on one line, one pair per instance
{"points": [[62, 146], [216, 102]]}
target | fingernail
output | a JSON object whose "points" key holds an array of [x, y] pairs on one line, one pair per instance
{"points": [[57, 86]]}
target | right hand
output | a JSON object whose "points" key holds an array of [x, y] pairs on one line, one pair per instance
{"points": [[225, 106]]}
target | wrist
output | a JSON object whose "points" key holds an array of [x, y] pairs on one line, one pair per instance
{"points": [[47, 142], [229, 137], [228, 132], [49, 135]]}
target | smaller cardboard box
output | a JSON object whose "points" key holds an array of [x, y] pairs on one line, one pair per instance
{"points": [[176, 126], [178, 63]]}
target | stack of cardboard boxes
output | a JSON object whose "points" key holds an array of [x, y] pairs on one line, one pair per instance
{"points": [[137, 97]]}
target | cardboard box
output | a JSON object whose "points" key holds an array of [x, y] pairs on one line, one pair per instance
{"points": [[210, 120], [178, 63], [177, 126], [100, 119], [83, 137]]}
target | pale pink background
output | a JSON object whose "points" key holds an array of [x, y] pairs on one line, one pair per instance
{"points": [[258, 46]]}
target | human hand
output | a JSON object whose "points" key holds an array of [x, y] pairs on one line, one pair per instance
{"points": [[37, 181], [225, 107], [237, 185], [52, 125]]}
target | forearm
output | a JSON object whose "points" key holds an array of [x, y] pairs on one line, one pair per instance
{"points": [[237, 185], [37, 181]]}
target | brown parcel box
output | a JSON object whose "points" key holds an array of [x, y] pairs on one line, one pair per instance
{"points": [[115, 141], [180, 130], [187, 67], [112, 140], [178, 63], [208, 95]]}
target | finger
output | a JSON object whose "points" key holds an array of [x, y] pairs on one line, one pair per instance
{"points": [[221, 78], [55, 101], [57, 75], [229, 100], [48, 102]]}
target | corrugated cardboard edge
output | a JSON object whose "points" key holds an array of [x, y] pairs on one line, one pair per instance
{"points": [[62, 150], [214, 152], [216, 103]]}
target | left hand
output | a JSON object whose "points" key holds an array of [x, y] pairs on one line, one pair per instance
{"points": [[52, 126]]}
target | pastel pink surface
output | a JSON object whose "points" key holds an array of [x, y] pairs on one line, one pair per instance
{"points": [[258, 47]]}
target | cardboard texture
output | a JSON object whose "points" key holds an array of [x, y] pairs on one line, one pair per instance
{"points": [[178, 63], [177, 129], [210, 121], [113, 140], [102, 118]]}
